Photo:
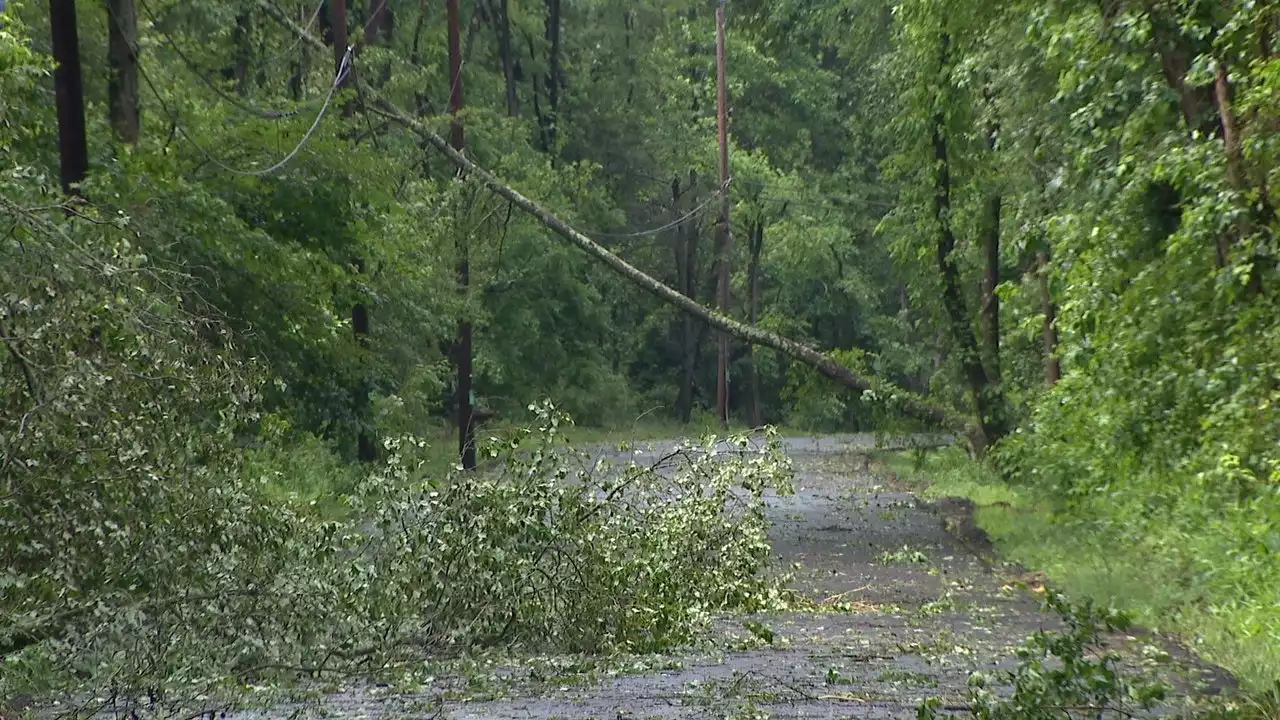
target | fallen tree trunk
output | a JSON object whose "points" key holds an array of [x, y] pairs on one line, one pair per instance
{"points": [[902, 400]]}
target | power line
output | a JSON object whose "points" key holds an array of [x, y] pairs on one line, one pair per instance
{"points": [[200, 75], [333, 88], [663, 228]]}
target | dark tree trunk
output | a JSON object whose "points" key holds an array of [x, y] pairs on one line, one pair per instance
{"points": [[338, 30], [122, 59], [544, 121], [73, 148], [379, 28], [361, 321], [380, 24], [965, 347], [990, 315], [1177, 51], [415, 46], [300, 66], [1238, 178], [240, 38], [1052, 366], [686, 270], [507, 55], [466, 417], [555, 76], [756, 241], [496, 14], [366, 448]]}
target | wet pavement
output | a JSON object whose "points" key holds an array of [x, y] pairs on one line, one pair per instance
{"points": [[908, 600]]}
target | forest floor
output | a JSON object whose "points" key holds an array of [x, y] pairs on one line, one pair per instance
{"points": [[909, 600]]}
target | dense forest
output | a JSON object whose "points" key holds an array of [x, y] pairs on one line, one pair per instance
{"points": [[252, 247]]}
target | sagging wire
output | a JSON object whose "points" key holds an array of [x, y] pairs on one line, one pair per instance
{"points": [[674, 223], [338, 79], [200, 75]]}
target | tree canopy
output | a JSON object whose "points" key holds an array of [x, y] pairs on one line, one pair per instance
{"points": [[1049, 227]]}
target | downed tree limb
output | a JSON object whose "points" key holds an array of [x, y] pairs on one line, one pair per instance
{"points": [[904, 401]]}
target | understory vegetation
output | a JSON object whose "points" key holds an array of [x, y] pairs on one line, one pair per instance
{"points": [[243, 275], [1206, 585]]}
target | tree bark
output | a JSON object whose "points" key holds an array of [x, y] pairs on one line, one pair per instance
{"points": [[555, 76], [240, 38], [300, 66], [966, 347], [990, 281], [687, 282], [1237, 177], [1176, 52], [73, 148], [380, 25], [990, 311], [724, 233], [122, 60], [506, 55], [1049, 335], [684, 398], [753, 316], [361, 321], [1234, 152], [905, 402], [466, 416]]}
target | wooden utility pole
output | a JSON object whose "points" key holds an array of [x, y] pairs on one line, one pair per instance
{"points": [[908, 403], [466, 414], [361, 323], [73, 149], [725, 239]]}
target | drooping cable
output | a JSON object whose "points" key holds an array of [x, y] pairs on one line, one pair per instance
{"points": [[344, 69]]}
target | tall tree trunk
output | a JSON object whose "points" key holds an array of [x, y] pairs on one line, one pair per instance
{"points": [[990, 314], [301, 65], [73, 148], [966, 347], [724, 232], [687, 274], [366, 448], [379, 28], [753, 316], [1177, 51], [1237, 177], [555, 76], [361, 323], [499, 16], [1052, 366], [380, 23], [466, 416], [241, 38], [122, 60]]}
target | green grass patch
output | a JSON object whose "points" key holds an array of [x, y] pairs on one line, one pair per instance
{"points": [[1228, 612]]}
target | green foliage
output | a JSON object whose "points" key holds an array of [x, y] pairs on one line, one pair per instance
{"points": [[140, 545], [1105, 551], [556, 552], [182, 335], [1062, 674]]}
